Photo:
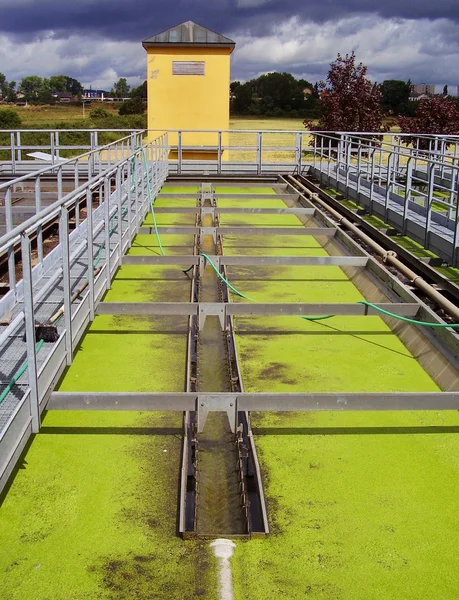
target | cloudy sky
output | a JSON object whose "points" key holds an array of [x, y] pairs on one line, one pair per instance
{"points": [[98, 41]]}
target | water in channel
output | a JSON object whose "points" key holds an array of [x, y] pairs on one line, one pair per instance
{"points": [[219, 509]]}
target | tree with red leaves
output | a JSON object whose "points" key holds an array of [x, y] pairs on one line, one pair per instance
{"points": [[433, 116], [349, 100]]}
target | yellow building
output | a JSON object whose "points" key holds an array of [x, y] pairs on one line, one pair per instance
{"points": [[188, 74]]}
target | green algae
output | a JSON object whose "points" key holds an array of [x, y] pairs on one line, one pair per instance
{"points": [[91, 512], [360, 505]]}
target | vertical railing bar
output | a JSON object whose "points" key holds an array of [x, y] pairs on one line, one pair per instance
{"points": [[408, 187], [18, 141], [29, 318], [219, 153], [179, 153], [13, 153], [120, 215], [90, 236], [107, 231], [11, 255], [39, 226], [65, 245]]}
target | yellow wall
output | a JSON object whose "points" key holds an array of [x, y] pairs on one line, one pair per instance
{"points": [[189, 101]]}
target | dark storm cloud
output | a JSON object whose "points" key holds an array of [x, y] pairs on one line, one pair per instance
{"points": [[121, 19]]}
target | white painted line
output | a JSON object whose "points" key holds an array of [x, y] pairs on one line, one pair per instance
{"points": [[223, 550]]}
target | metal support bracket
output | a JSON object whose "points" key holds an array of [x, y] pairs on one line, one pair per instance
{"points": [[216, 259], [208, 231], [221, 403], [211, 309]]}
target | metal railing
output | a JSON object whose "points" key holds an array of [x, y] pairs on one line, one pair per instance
{"points": [[68, 282], [412, 186], [16, 144]]}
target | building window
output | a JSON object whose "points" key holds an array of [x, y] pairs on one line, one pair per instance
{"points": [[188, 67]]}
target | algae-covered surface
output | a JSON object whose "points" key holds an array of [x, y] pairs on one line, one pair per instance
{"points": [[360, 505], [92, 511]]}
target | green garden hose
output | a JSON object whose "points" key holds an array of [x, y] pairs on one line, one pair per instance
{"points": [[150, 198], [405, 319]]}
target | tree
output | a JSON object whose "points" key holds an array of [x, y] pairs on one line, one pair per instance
{"points": [[234, 85], [445, 90], [57, 83], [31, 86], [73, 86], [396, 96], [439, 115], [350, 101], [134, 106], [279, 90], [243, 98], [11, 95], [3, 86], [121, 88], [140, 92], [9, 119]]}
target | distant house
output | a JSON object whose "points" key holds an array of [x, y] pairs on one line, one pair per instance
{"points": [[417, 97], [63, 97]]}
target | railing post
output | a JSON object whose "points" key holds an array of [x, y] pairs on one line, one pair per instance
{"points": [[179, 153], [131, 176], [29, 316], [11, 257], [90, 236], [18, 142], [39, 227], [455, 253], [107, 231], [329, 158], [298, 152], [388, 184], [13, 153], [315, 152], [65, 245], [56, 134], [359, 165], [138, 167], [348, 146], [120, 214], [430, 189], [59, 183], [452, 199], [259, 151], [372, 179], [408, 186], [52, 147], [219, 153]]}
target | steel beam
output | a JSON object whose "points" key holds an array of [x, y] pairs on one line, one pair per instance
{"points": [[221, 211], [299, 309], [233, 402], [147, 308], [223, 310], [244, 261], [241, 230]]}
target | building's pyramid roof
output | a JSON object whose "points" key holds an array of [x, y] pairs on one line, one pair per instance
{"points": [[188, 34]]}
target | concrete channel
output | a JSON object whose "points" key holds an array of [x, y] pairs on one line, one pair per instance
{"points": [[359, 504]]}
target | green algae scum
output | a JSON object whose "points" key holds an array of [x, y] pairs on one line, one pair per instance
{"points": [[361, 505]]}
